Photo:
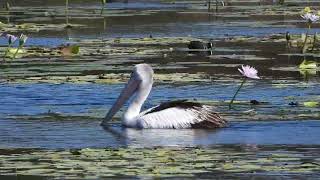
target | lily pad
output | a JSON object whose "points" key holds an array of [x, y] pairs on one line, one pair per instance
{"points": [[166, 162], [70, 50], [308, 64], [311, 104], [19, 52]]}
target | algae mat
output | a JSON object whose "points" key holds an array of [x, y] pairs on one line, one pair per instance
{"points": [[232, 161]]}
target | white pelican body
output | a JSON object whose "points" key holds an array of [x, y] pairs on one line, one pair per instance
{"points": [[174, 114]]}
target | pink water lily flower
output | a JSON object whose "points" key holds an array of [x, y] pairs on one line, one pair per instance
{"points": [[310, 17], [11, 38], [249, 72]]}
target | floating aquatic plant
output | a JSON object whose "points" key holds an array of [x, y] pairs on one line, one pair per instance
{"points": [[247, 72], [161, 162], [307, 10], [311, 104], [69, 50], [308, 64], [11, 39]]}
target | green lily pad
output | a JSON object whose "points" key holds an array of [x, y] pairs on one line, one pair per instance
{"points": [[162, 162], [308, 64], [25, 26], [2, 24], [70, 50], [311, 104], [19, 53]]}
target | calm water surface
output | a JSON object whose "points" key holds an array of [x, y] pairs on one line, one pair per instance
{"points": [[24, 123], [81, 134], [26, 110]]}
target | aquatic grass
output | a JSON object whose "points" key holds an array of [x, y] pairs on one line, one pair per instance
{"points": [[217, 2], [103, 4], [247, 72], [7, 8], [67, 12]]}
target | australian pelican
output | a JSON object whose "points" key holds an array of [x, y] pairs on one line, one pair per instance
{"points": [[173, 114]]}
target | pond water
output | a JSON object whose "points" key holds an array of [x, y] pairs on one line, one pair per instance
{"points": [[52, 102], [68, 116], [87, 134], [36, 99], [142, 19]]}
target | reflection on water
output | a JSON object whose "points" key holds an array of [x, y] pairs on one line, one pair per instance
{"points": [[81, 134], [263, 133]]}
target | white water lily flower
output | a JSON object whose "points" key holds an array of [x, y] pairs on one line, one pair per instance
{"points": [[311, 18], [22, 39], [249, 72]]}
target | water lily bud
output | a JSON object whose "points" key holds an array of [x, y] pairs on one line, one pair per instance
{"points": [[22, 40]]}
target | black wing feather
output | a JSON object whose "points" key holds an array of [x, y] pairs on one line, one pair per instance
{"points": [[209, 119], [183, 103]]}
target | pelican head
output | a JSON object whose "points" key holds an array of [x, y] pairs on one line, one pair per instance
{"points": [[140, 83]]}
